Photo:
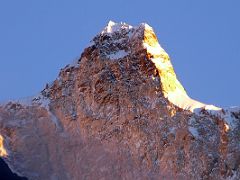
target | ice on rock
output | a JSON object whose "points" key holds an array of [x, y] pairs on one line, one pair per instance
{"points": [[193, 131], [117, 55]]}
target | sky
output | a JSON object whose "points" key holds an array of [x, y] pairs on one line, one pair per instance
{"points": [[38, 38]]}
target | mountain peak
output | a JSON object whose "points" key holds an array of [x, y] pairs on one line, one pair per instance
{"points": [[119, 40], [113, 27], [120, 105]]}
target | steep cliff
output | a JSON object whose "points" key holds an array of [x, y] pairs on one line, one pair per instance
{"points": [[119, 112]]}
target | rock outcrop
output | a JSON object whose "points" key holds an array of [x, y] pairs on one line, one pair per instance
{"points": [[119, 112]]}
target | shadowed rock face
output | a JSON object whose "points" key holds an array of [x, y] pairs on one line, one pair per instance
{"points": [[7, 174], [119, 112]]}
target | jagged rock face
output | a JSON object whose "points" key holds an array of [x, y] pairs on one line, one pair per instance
{"points": [[110, 116]]}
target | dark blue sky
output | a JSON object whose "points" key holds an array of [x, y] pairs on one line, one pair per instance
{"points": [[37, 38]]}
